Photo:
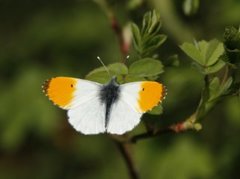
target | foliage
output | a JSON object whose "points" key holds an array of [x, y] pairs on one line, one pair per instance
{"points": [[206, 55], [148, 39]]}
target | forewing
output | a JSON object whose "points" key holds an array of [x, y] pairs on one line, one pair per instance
{"points": [[134, 99], [67, 92], [144, 95], [81, 98]]}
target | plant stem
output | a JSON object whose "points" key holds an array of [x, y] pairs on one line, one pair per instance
{"points": [[124, 47], [116, 27], [187, 124], [149, 134], [125, 152]]}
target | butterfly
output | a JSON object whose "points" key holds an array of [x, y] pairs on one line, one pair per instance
{"points": [[95, 108]]}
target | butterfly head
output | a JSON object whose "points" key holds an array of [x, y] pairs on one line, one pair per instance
{"points": [[113, 81]]}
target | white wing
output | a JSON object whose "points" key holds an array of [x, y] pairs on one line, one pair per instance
{"points": [[122, 118], [87, 113], [125, 113], [88, 118]]}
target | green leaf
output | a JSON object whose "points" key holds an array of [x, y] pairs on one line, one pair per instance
{"points": [[148, 39], [155, 41], [214, 68], [98, 76], [212, 94], [118, 69], [157, 110], [192, 51], [101, 75], [202, 47], [132, 78], [225, 86], [114, 69], [151, 23], [136, 36], [214, 51], [96, 70], [155, 22], [146, 67], [146, 22], [204, 53], [216, 89], [151, 44]]}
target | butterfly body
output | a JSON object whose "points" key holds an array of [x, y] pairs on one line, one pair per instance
{"points": [[95, 108], [109, 94]]}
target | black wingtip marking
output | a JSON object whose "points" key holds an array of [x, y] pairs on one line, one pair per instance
{"points": [[45, 86], [164, 93]]}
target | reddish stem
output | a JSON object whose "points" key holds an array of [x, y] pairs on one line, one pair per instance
{"points": [[124, 47]]}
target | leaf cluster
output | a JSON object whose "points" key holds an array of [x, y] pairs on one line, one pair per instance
{"points": [[205, 55], [147, 40], [143, 69], [215, 60]]}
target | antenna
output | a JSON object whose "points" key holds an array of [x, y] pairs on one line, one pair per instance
{"points": [[105, 67]]}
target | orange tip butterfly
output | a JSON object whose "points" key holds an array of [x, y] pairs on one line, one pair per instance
{"points": [[95, 108]]}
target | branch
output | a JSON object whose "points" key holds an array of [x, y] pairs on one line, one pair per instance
{"points": [[124, 40], [149, 134], [124, 150], [123, 44], [188, 124]]}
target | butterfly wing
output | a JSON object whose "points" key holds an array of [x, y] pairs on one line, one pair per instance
{"points": [[135, 99], [88, 118], [123, 118], [81, 98]]}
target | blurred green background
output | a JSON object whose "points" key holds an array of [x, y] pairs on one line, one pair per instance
{"points": [[43, 39]]}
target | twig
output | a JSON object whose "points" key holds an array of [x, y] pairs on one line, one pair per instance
{"points": [[124, 150], [149, 134], [188, 124], [118, 30], [124, 47]]}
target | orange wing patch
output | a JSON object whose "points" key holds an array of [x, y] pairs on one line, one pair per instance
{"points": [[150, 95], [60, 90]]}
